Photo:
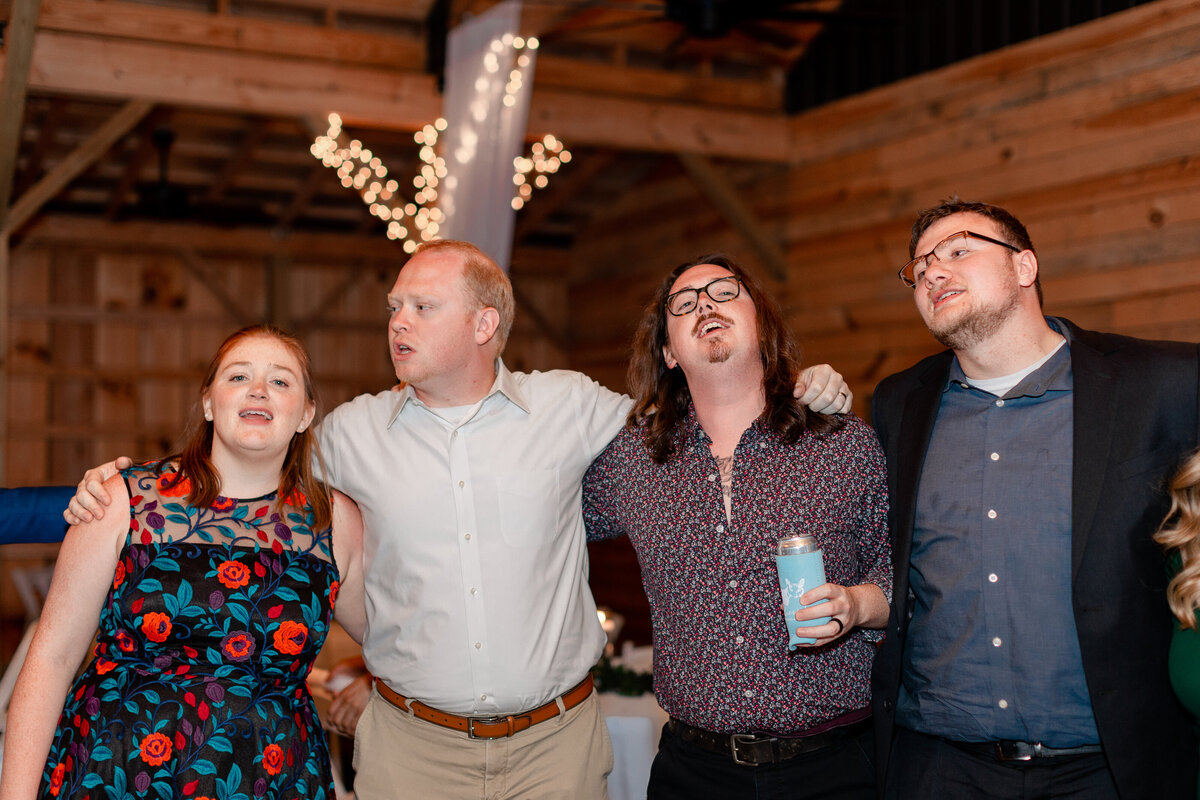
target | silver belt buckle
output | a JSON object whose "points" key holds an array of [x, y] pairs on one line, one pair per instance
{"points": [[483, 721], [1013, 751], [741, 738]]}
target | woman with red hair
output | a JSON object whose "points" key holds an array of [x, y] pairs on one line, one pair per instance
{"points": [[213, 585]]}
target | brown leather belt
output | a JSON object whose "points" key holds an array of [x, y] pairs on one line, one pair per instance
{"points": [[488, 727]]}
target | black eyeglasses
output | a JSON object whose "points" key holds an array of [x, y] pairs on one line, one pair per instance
{"points": [[722, 290], [955, 247]]}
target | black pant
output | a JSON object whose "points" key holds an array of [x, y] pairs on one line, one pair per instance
{"points": [[843, 771], [924, 767]]}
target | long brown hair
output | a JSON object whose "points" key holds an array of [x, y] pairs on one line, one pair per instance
{"points": [[195, 459], [1181, 531], [661, 395]]}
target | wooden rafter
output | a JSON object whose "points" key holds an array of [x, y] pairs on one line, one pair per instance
{"points": [[375, 97], [243, 156], [317, 174], [36, 156], [18, 55], [721, 192], [76, 162], [144, 151]]}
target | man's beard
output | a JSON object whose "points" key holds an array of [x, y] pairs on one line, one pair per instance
{"points": [[719, 351], [977, 325]]}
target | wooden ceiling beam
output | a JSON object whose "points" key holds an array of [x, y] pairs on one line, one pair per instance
{"points": [[76, 162], [131, 236], [99, 67], [18, 56], [141, 22], [617, 80]]}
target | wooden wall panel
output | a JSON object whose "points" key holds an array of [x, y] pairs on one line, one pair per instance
{"points": [[1091, 136]]}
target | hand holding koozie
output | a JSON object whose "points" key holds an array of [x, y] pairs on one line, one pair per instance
{"points": [[801, 567]]}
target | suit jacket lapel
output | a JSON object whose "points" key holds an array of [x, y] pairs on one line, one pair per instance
{"points": [[912, 442], [1095, 406]]}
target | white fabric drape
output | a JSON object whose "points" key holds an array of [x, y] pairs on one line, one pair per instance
{"points": [[483, 135]]}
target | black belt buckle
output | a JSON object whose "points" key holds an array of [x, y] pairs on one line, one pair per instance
{"points": [[744, 739], [1007, 750]]}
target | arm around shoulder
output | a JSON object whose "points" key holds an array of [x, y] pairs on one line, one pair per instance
{"points": [[83, 576]]}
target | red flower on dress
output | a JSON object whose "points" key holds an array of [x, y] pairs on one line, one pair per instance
{"points": [[223, 504], [104, 666], [297, 498], [238, 646], [125, 642], [290, 637], [156, 748], [156, 626], [180, 489], [56, 778], [272, 759], [119, 577], [233, 574], [333, 592]]}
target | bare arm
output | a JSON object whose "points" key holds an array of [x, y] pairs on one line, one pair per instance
{"points": [[350, 609], [83, 576]]}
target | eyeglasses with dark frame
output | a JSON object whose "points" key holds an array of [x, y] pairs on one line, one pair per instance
{"points": [[945, 251], [722, 290]]}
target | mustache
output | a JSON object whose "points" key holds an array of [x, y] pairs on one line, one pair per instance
{"points": [[700, 323]]}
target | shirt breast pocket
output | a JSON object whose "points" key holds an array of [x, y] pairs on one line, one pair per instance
{"points": [[529, 505]]}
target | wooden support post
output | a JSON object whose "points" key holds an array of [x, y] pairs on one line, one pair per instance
{"points": [[18, 54], [723, 194]]}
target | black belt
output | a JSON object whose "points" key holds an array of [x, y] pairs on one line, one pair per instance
{"points": [[752, 749], [1009, 750]]}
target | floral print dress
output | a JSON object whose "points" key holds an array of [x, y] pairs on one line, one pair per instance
{"points": [[197, 689]]}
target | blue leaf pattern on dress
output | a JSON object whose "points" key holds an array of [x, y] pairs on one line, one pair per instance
{"points": [[197, 686]]}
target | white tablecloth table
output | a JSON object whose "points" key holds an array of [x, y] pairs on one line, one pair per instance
{"points": [[634, 725]]}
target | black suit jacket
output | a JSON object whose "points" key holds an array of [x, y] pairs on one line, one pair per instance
{"points": [[1136, 406]]}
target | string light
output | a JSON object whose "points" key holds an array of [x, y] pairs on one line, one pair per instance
{"points": [[359, 169]]}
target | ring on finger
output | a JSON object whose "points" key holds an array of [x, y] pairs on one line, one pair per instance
{"points": [[841, 626]]}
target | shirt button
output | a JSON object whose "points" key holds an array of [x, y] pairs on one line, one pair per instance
{"points": [[995, 456], [467, 536], [996, 642], [993, 577], [733, 584], [738, 639], [461, 484], [720, 528], [454, 434], [762, 445], [712, 477], [479, 645], [483, 697], [474, 590], [1003, 703], [991, 513], [748, 693], [999, 404]]}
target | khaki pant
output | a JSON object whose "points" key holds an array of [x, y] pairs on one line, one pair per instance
{"points": [[399, 756]]}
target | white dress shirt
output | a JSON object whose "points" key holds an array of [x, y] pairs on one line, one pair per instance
{"points": [[475, 556]]}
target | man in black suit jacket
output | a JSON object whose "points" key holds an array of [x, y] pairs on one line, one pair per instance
{"points": [[1027, 646]]}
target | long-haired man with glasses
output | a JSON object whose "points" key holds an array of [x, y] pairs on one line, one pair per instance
{"points": [[1026, 651], [716, 463]]}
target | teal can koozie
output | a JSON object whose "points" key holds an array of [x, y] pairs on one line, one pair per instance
{"points": [[801, 567]]}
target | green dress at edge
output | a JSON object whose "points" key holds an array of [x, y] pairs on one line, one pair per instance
{"points": [[1184, 666]]}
